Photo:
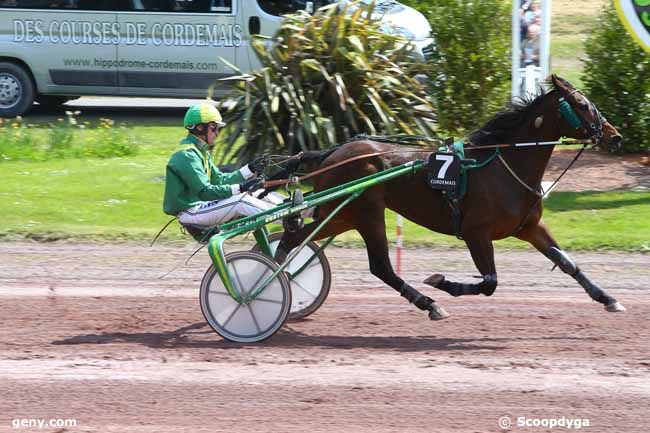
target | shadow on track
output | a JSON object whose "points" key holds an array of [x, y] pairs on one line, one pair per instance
{"points": [[287, 338]]}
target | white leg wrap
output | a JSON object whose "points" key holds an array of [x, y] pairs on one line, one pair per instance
{"points": [[563, 260]]}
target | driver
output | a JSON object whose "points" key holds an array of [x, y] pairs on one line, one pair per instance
{"points": [[196, 191]]}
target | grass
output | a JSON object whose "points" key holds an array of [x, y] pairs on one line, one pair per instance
{"points": [[578, 221], [117, 197], [571, 22], [121, 198]]}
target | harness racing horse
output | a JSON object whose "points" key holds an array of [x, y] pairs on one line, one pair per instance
{"points": [[497, 204]]}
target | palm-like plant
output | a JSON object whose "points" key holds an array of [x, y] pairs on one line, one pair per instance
{"points": [[324, 79]]}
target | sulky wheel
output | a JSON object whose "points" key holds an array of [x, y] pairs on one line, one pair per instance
{"points": [[310, 288], [248, 322]]}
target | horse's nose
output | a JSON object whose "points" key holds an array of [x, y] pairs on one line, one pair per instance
{"points": [[615, 142]]}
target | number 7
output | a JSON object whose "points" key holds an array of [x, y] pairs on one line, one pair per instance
{"points": [[443, 170]]}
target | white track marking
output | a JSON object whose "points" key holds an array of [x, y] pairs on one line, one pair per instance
{"points": [[370, 372]]}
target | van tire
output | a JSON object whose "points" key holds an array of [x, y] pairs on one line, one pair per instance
{"points": [[16, 90]]}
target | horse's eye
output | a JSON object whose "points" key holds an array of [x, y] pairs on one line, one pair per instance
{"points": [[583, 105]]}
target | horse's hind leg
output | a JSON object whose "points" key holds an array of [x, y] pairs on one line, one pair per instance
{"points": [[538, 236], [291, 240], [483, 255], [373, 232]]}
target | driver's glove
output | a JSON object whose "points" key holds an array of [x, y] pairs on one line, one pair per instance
{"points": [[258, 165]]}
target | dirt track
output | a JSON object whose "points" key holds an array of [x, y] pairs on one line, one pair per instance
{"points": [[89, 332]]}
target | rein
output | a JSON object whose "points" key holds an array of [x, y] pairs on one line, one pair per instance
{"points": [[280, 182], [541, 195], [531, 144], [295, 180]]}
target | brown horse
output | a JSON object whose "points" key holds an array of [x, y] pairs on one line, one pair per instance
{"points": [[496, 205]]}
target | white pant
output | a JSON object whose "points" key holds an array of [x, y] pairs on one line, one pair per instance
{"points": [[216, 212]]}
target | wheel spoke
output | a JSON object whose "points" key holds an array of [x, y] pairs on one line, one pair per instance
{"points": [[231, 315], [304, 289], [266, 271], [241, 289], [257, 325], [268, 300], [297, 266], [311, 265]]}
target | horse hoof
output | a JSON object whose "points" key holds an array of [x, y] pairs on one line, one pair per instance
{"points": [[434, 280], [437, 313], [615, 307]]}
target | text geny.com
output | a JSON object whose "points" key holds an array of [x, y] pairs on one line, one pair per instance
{"points": [[42, 423]]}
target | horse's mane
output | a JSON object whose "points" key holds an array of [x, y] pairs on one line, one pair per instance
{"points": [[500, 127]]}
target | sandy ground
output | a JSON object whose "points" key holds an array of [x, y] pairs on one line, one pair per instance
{"points": [[90, 333], [598, 171]]}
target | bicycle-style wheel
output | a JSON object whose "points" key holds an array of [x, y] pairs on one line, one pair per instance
{"points": [[310, 287], [257, 319]]}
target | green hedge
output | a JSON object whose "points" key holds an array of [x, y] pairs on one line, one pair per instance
{"points": [[617, 80], [471, 59], [322, 82], [64, 139]]}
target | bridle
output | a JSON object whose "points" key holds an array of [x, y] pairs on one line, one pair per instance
{"points": [[595, 130]]}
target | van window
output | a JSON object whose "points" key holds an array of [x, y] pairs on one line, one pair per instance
{"points": [[85, 5], [280, 7], [275, 7], [192, 6]]}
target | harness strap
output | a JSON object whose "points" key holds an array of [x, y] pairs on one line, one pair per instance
{"points": [[531, 144], [575, 158], [524, 184], [280, 182], [497, 153], [539, 198]]}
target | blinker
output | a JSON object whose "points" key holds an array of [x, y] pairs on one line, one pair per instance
{"points": [[569, 115]]}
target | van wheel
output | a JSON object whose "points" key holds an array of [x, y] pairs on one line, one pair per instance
{"points": [[16, 90], [53, 101]]}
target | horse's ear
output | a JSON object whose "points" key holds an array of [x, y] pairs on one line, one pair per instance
{"points": [[557, 82], [561, 83]]}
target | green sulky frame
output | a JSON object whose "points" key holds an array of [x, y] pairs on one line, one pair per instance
{"points": [[257, 223]]}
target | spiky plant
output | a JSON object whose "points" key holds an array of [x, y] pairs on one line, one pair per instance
{"points": [[324, 79]]}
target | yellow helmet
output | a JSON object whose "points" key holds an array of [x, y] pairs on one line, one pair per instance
{"points": [[202, 113]]}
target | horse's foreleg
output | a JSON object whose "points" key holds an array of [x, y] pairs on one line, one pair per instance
{"points": [[483, 255], [374, 235], [539, 237]]}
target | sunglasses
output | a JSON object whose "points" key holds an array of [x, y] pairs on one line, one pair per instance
{"points": [[214, 127]]}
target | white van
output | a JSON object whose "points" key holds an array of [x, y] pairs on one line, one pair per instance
{"points": [[55, 50]]}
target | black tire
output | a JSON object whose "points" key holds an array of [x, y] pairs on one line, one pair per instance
{"points": [[17, 90], [325, 287], [53, 101]]}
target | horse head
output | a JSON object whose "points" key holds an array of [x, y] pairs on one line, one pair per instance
{"points": [[582, 118]]}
